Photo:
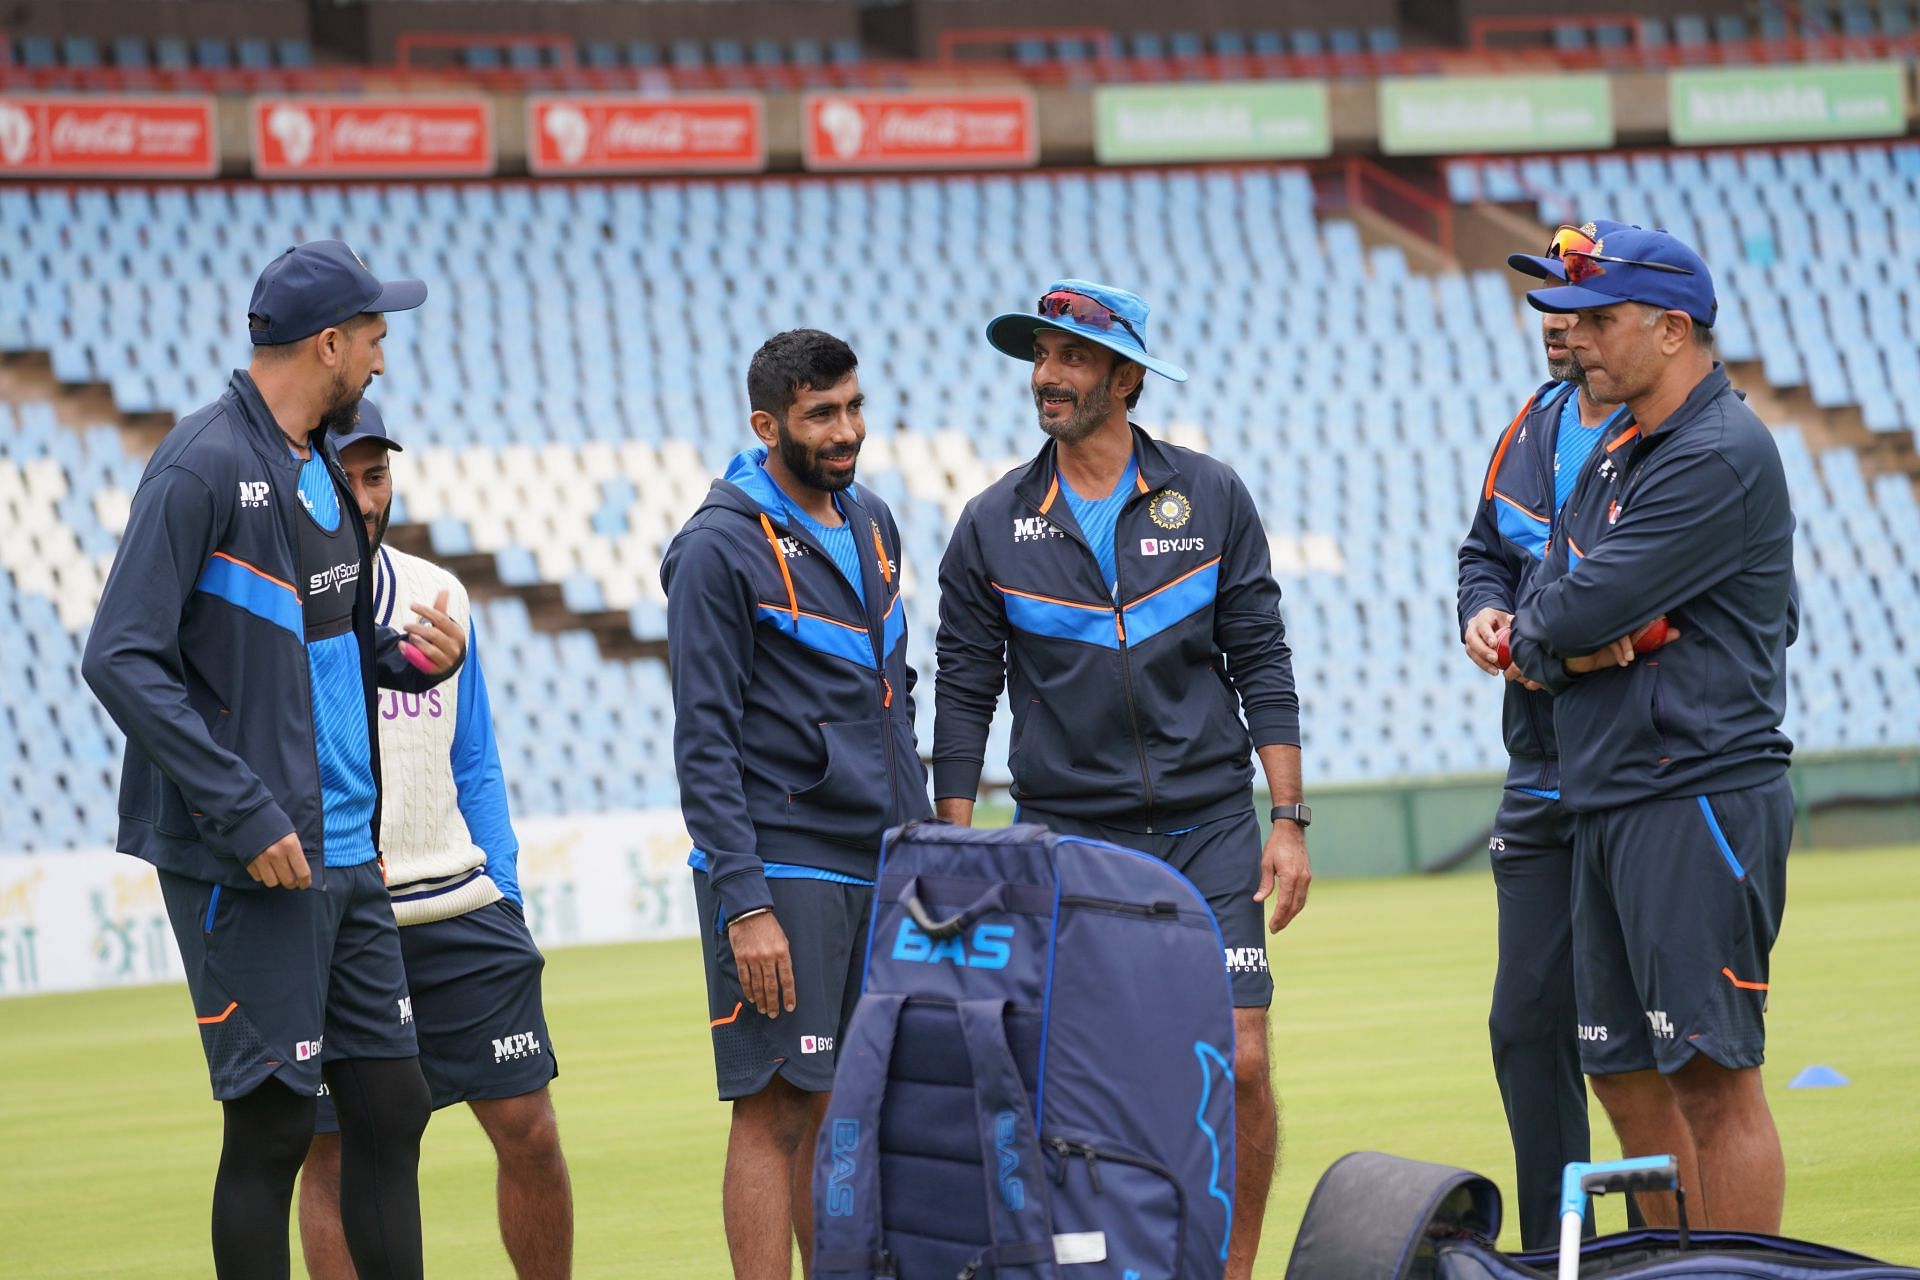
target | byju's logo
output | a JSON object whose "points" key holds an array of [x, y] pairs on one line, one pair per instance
{"points": [[523, 1045], [1170, 546], [816, 1044], [253, 493], [989, 946], [1034, 528], [306, 1050], [846, 1143], [1006, 1133], [1595, 1034]]}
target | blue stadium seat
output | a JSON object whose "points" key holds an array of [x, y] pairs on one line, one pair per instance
{"points": [[212, 53], [130, 53], [79, 52], [293, 54], [253, 54]]}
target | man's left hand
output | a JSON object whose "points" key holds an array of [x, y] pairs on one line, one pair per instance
{"points": [[438, 638], [1284, 873]]}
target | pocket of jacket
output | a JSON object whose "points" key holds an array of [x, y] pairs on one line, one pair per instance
{"points": [[854, 785], [1656, 712]]}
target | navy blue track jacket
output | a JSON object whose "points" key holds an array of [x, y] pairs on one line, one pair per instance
{"points": [[1128, 714], [199, 653], [792, 700], [1501, 551], [1692, 522]]}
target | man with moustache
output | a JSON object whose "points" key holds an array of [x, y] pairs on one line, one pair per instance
{"points": [[793, 742], [473, 969], [1673, 761], [252, 768], [1532, 1025], [1122, 589]]}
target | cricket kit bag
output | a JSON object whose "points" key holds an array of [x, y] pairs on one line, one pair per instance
{"points": [[1037, 1083], [1379, 1217]]}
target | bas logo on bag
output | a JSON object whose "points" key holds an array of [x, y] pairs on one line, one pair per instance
{"points": [[1006, 1133], [988, 947], [846, 1139]]}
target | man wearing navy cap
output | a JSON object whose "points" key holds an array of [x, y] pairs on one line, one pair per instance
{"points": [[235, 645], [1672, 758], [473, 970], [1537, 460], [1122, 589]]}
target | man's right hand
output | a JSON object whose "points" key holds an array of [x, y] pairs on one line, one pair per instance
{"points": [[765, 964], [1618, 653], [954, 809], [282, 865], [1479, 641]]}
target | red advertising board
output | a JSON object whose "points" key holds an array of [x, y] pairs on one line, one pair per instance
{"points": [[645, 135], [920, 131], [372, 137], [107, 137]]}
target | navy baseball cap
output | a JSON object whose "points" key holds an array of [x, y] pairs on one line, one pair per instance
{"points": [[371, 426], [1548, 266], [1100, 313], [319, 284], [1635, 265]]}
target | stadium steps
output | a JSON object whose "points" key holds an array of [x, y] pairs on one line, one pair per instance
{"points": [[479, 572], [28, 377]]}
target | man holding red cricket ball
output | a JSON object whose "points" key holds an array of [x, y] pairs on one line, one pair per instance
{"points": [[1659, 619]]}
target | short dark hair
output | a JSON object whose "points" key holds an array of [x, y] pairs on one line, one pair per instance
{"points": [[795, 361], [1703, 335], [280, 350]]}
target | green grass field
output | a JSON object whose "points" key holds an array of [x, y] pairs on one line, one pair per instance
{"points": [[109, 1138]]}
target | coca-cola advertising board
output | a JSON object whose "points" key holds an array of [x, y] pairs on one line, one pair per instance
{"points": [[603, 134], [372, 137], [107, 137], [920, 131]]}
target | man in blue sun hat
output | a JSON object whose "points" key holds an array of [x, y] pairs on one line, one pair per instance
{"points": [[1537, 459], [1660, 620], [1121, 587]]}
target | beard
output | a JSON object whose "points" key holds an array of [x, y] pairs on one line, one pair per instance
{"points": [[1089, 411], [343, 407], [1567, 369], [379, 530], [805, 463]]}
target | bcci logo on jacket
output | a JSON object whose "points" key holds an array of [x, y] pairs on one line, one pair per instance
{"points": [[1170, 509]]}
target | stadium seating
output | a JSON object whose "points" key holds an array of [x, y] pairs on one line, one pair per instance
{"points": [[575, 380]]}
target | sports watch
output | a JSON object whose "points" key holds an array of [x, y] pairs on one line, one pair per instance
{"points": [[1293, 813]]}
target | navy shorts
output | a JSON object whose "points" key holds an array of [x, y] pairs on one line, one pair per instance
{"points": [[476, 1006], [826, 927], [1676, 904], [286, 979], [1222, 858]]}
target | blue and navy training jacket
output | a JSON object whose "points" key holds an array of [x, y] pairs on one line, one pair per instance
{"points": [[199, 653], [1127, 707], [1692, 522], [1502, 549], [792, 698]]}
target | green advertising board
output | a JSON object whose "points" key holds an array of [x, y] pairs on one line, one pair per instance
{"points": [[1783, 104], [1451, 115], [1211, 122]]}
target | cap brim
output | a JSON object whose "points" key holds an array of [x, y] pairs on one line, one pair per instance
{"points": [[1571, 297], [355, 437], [1012, 334], [1528, 264], [399, 295]]}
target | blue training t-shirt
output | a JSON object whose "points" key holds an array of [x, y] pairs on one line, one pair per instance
{"points": [[838, 542], [1098, 516], [339, 708], [1573, 445]]}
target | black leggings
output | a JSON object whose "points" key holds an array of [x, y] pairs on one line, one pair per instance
{"points": [[383, 1106]]}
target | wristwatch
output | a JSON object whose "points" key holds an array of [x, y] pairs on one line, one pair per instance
{"points": [[1293, 813]]}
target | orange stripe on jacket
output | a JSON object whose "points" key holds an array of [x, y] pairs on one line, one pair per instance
{"points": [[1744, 986], [1053, 491], [1623, 437], [1506, 440], [1521, 509], [1071, 604], [259, 573], [786, 574], [730, 1018], [221, 1016], [1176, 582], [817, 617]]}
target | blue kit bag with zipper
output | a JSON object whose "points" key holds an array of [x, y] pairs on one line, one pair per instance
{"points": [[1037, 1082]]}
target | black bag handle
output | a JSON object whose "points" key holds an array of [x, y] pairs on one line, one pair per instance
{"points": [[994, 899]]}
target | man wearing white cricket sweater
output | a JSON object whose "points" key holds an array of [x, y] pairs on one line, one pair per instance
{"points": [[472, 966]]}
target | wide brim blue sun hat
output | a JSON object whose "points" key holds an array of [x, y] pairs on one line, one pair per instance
{"points": [[1012, 333]]}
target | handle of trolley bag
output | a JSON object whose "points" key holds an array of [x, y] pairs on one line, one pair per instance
{"points": [[1582, 1179], [994, 899]]}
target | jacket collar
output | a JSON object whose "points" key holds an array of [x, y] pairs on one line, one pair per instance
{"points": [[253, 410], [1157, 469], [746, 487], [1704, 393]]}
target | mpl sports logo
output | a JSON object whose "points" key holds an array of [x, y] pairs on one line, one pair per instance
{"points": [[816, 1044], [1246, 959], [1660, 1024], [1170, 546], [792, 548], [406, 1010], [1034, 528], [523, 1045], [253, 494]]}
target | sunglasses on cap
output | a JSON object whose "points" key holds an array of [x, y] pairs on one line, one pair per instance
{"points": [[1084, 311], [1578, 251]]}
